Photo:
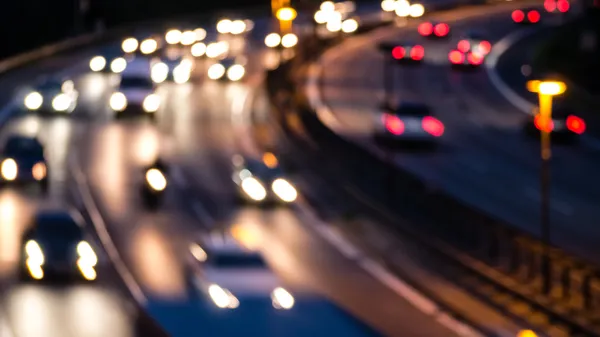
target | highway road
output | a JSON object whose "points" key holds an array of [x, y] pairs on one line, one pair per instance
{"points": [[485, 159], [198, 129]]}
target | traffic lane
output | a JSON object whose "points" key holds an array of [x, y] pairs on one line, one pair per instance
{"points": [[297, 254], [473, 131]]}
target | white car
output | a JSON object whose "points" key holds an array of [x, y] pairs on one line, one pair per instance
{"points": [[135, 94], [52, 96], [228, 273], [230, 68]]}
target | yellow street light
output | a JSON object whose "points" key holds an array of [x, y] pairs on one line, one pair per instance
{"points": [[286, 15], [527, 333], [550, 88]]}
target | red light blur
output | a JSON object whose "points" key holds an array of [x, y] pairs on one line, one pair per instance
{"points": [[563, 6], [442, 29], [550, 5], [475, 59], [417, 53], [518, 16], [393, 124], [533, 16], [464, 46], [543, 125], [398, 52], [456, 57], [426, 28], [575, 124], [485, 47], [433, 126]]}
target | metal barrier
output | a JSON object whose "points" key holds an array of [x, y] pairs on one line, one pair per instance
{"points": [[503, 264]]}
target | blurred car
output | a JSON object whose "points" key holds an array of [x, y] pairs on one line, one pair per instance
{"points": [[230, 273], [51, 96], [56, 245], [23, 162], [554, 6], [408, 53], [229, 68], [136, 95], [433, 29], [526, 16], [564, 126], [171, 67], [409, 123], [262, 181], [465, 60], [111, 63], [474, 42], [155, 183]]}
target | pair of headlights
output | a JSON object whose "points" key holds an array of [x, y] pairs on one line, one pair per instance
{"points": [[99, 63], [61, 102], [283, 189], [9, 169], [234, 73], [224, 299], [118, 102], [181, 73]]}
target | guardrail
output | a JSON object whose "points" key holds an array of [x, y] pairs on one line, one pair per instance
{"points": [[498, 263]]}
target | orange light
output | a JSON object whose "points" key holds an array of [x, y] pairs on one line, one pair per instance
{"points": [[543, 124], [433, 126], [39, 171], [575, 124], [270, 160], [456, 57], [398, 52], [441, 29], [464, 46], [417, 53], [533, 16], [393, 124], [426, 28], [518, 16]]}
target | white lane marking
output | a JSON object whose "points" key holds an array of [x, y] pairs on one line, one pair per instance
{"points": [[99, 224]]}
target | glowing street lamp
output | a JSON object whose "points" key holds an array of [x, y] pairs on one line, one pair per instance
{"points": [[545, 90], [286, 15]]}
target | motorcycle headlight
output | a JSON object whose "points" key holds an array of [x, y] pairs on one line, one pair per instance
{"points": [[9, 169], [34, 100], [118, 101]]}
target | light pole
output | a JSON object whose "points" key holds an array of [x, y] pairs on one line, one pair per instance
{"points": [[545, 90]]}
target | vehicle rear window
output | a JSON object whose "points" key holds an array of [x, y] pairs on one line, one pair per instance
{"points": [[413, 110], [236, 261], [136, 82], [23, 146], [59, 230]]}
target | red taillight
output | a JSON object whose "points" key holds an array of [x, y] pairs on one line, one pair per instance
{"points": [[475, 59], [550, 5], [417, 53], [398, 52], [543, 124], [485, 47], [575, 124], [463, 46], [393, 124], [426, 28], [533, 16], [518, 16], [433, 126], [456, 57], [441, 29], [563, 6]]}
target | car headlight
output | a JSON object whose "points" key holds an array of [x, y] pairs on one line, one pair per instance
{"points": [[272, 40], [97, 63], [237, 27], [118, 65], [188, 37], [62, 102], [159, 72], [236, 72], [216, 71], [182, 73], [222, 297], [284, 190], [156, 180], [289, 40], [130, 45], [254, 189], [198, 49], [118, 101], [148, 46], [151, 103], [282, 299], [35, 255], [86, 253], [39, 171], [33, 101], [9, 169]]}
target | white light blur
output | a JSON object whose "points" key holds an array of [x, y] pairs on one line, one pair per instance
{"points": [[156, 179], [151, 103], [182, 73], [222, 297], [148, 46], [417, 10], [130, 45], [349, 26], [216, 71], [237, 27], [173, 36], [236, 72], [217, 49], [68, 86], [402, 8], [254, 189], [224, 26], [188, 38], [62, 102], [289, 40], [327, 6], [249, 25], [97, 63], [159, 72], [34, 101], [334, 26], [321, 17], [9, 169], [198, 49], [282, 299], [284, 190], [200, 34], [388, 5], [272, 40], [118, 65], [118, 101]]}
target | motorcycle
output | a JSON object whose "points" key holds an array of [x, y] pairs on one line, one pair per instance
{"points": [[154, 185]]}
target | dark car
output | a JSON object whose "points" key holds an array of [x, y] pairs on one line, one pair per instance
{"points": [[23, 161], [565, 126], [526, 16], [51, 95], [408, 123], [56, 245], [262, 181]]}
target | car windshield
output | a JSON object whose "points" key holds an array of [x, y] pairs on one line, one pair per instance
{"points": [[413, 110], [237, 260], [58, 230], [228, 62], [51, 85], [136, 82], [22, 146], [263, 171]]}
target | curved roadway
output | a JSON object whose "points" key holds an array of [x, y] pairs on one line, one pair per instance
{"points": [[485, 158]]}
